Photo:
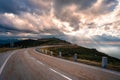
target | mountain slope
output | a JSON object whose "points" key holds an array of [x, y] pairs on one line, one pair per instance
{"points": [[84, 55], [32, 43]]}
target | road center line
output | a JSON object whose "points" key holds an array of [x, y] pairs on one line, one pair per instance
{"points": [[37, 61], [2, 67], [60, 74], [34, 58], [40, 62]]}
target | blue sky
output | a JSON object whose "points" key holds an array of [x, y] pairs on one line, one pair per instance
{"points": [[83, 22]]}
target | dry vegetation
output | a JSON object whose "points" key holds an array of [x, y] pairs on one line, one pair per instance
{"points": [[85, 55], [6, 49]]}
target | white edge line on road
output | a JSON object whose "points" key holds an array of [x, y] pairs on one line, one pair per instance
{"points": [[2, 67], [60, 74]]}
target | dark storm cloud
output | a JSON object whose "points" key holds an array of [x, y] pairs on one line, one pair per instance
{"points": [[106, 38], [89, 8], [18, 6], [110, 1], [82, 4], [111, 4], [13, 6], [69, 17], [103, 7], [66, 15], [56, 17], [6, 28]]}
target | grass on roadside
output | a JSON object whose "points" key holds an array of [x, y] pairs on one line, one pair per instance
{"points": [[87, 56], [6, 49]]}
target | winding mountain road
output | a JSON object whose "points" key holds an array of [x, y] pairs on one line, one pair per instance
{"points": [[28, 64]]}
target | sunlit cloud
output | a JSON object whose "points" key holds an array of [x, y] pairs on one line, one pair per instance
{"points": [[67, 19]]}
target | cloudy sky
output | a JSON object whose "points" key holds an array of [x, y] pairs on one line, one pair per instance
{"points": [[84, 22]]}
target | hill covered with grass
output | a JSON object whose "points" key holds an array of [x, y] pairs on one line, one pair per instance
{"points": [[85, 55], [32, 43]]}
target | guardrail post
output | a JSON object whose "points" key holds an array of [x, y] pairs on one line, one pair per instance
{"points": [[60, 54], [75, 57], [42, 50], [104, 62], [39, 50], [51, 53], [46, 51]]}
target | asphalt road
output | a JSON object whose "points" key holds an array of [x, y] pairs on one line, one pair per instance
{"points": [[27, 64]]}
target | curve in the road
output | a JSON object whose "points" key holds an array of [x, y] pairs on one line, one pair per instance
{"points": [[2, 67]]}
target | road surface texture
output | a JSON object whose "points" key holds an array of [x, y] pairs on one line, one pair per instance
{"points": [[28, 64]]}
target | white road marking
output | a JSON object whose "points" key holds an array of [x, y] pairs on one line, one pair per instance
{"points": [[34, 58], [40, 62], [36, 51], [2, 67], [37, 61], [60, 74]]}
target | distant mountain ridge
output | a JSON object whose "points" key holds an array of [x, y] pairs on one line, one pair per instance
{"points": [[6, 41], [38, 42]]}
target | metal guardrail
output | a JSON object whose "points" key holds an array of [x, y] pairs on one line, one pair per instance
{"points": [[75, 57]]}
